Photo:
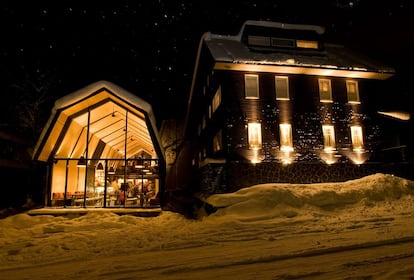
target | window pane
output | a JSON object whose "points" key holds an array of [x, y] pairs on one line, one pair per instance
{"points": [[328, 137], [255, 135], [352, 89], [325, 90], [286, 143], [251, 83], [282, 88], [356, 136]]}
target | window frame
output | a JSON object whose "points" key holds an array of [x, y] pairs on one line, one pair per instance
{"points": [[216, 101], [286, 94], [254, 135], [247, 89], [322, 93], [328, 133], [357, 138], [355, 100], [285, 137]]}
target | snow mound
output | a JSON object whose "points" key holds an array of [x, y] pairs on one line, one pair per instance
{"points": [[274, 199]]}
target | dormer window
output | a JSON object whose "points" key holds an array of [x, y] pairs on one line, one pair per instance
{"points": [[307, 44], [258, 41], [282, 42]]}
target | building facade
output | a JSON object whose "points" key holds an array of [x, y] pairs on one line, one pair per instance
{"points": [[275, 103]]}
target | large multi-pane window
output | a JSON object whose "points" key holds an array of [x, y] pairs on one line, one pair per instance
{"points": [[282, 87], [254, 135], [352, 91], [357, 139], [328, 132], [251, 86], [325, 91], [286, 143]]}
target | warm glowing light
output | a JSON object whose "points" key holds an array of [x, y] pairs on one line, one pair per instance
{"points": [[325, 91], [307, 44], [329, 157], [352, 91], [251, 86], [404, 116], [285, 131], [255, 158], [357, 140], [328, 132], [282, 87], [317, 70], [254, 135]]}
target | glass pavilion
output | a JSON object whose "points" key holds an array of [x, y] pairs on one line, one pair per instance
{"points": [[102, 149]]}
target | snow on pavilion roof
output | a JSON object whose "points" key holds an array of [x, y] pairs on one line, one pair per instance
{"points": [[230, 53], [110, 111]]}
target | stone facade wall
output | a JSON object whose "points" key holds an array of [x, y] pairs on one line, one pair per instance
{"points": [[221, 178]]}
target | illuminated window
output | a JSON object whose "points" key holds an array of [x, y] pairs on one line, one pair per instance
{"points": [[286, 143], [352, 90], [217, 142], [328, 137], [282, 87], [356, 136], [325, 91], [251, 85], [216, 99], [254, 135], [307, 44]]}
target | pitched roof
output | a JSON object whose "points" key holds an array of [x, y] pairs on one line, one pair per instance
{"points": [[110, 111], [230, 52]]}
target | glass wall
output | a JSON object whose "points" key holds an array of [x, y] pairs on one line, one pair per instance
{"points": [[105, 182]]}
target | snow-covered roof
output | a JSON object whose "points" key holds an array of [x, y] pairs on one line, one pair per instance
{"points": [[111, 110], [230, 52]]}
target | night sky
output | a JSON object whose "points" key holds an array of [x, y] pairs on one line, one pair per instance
{"points": [[149, 47]]}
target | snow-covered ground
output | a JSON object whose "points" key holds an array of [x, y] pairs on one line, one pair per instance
{"points": [[360, 229]]}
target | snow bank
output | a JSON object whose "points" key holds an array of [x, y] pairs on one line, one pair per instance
{"points": [[288, 199]]}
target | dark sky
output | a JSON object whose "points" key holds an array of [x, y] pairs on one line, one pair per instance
{"points": [[149, 47]]}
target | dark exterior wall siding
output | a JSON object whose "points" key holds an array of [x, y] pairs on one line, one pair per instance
{"points": [[230, 177], [304, 112]]}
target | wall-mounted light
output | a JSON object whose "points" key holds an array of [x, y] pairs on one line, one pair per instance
{"points": [[99, 167], [82, 162], [111, 170]]}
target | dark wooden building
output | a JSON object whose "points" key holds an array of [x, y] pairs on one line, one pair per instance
{"points": [[276, 103]]}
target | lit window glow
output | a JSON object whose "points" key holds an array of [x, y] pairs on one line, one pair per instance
{"points": [[282, 87], [216, 99], [325, 91], [254, 135], [357, 140], [307, 44], [352, 90], [251, 83], [286, 143], [328, 132]]}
